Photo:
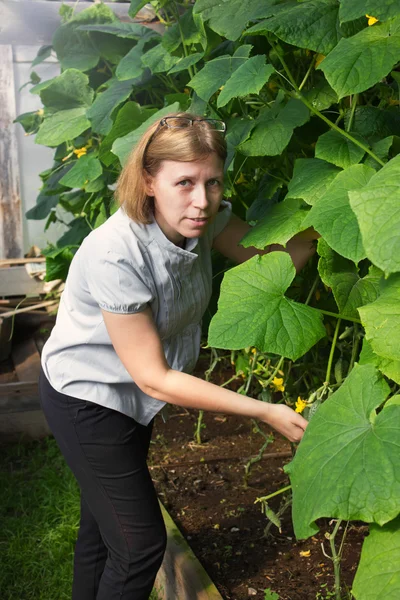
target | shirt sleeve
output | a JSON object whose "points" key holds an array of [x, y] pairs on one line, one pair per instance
{"points": [[222, 218], [115, 284]]}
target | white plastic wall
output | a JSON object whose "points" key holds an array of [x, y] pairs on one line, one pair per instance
{"points": [[33, 158]]}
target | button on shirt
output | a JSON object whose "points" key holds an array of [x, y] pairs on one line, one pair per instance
{"points": [[123, 267]]}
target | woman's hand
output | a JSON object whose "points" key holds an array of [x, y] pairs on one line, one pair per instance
{"points": [[286, 421]]}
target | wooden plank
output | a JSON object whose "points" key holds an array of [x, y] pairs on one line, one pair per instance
{"points": [[26, 360], [30, 425], [29, 309], [19, 388], [11, 241], [21, 261], [181, 575], [34, 22], [15, 281], [15, 404]]}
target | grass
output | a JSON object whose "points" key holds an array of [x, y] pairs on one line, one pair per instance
{"points": [[39, 517]]}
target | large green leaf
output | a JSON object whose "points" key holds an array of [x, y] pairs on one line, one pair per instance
{"points": [[311, 25], [380, 9], [348, 465], [358, 62], [216, 72], [249, 78], [129, 117], [333, 218], [374, 123], [349, 289], [377, 210], [62, 126], [321, 95], [186, 62], [378, 573], [100, 111], [78, 230], [381, 150], [131, 66], [390, 368], [69, 90], [238, 130], [274, 128], [123, 145], [253, 311], [135, 6], [311, 178], [279, 225], [58, 261], [381, 320], [333, 147], [159, 60], [229, 20], [86, 169], [74, 48], [132, 31], [43, 207], [30, 121]]}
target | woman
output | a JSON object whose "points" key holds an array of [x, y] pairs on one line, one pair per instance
{"points": [[126, 337]]}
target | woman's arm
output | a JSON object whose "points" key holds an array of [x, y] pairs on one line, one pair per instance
{"points": [[300, 247], [138, 345]]}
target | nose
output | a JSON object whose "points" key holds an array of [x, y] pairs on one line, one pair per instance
{"points": [[200, 199]]}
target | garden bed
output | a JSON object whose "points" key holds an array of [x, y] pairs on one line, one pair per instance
{"points": [[202, 487]]}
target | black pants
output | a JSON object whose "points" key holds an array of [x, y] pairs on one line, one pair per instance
{"points": [[121, 540]]}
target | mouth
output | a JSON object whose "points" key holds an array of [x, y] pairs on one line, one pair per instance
{"points": [[199, 220]]}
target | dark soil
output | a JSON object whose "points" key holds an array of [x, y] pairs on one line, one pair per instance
{"points": [[202, 487]]}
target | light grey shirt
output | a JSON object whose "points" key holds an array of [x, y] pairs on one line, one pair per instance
{"points": [[123, 267]]}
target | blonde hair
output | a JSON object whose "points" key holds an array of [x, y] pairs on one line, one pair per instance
{"points": [[157, 144]]}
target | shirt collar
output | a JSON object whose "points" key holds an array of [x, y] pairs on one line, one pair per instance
{"points": [[157, 234]]}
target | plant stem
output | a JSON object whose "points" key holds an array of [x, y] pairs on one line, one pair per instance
{"points": [[336, 557], [353, 108], [255, 459], [354, 350], [277, 493], [277, 367], [182, 38], [332, 125], [337, 316], [213, 363], [332, 352], [314, 285], [312, 63], [341, 131], [250, 377]]}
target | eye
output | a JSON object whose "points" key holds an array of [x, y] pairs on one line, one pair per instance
{"points": [[184, 183], [213, 183]]}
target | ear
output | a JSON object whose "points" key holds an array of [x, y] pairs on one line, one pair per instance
{"points": [[148, 184]]}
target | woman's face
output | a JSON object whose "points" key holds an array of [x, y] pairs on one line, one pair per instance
{"points": [[187, 196]]}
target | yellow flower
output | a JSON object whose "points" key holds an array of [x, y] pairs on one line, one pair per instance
{"points": [[318, 60], [371, 20], [80, 151], [40, 112], [277, 382], [240, 179], [300, 405]]}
